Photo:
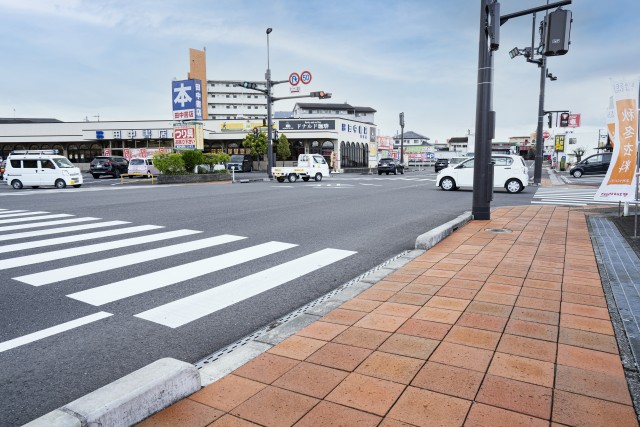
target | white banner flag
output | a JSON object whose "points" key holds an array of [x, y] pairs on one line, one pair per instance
{"points": [[619, 183]]}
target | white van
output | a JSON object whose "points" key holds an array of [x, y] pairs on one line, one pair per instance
{"points": [[35, 168], [142, 167]]}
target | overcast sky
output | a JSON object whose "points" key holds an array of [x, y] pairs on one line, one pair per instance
{"points": [[71, 59]]}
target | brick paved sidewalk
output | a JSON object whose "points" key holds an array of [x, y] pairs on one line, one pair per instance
{"points": [[484, 329]]}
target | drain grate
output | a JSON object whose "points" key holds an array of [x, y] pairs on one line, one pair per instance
{"points": [[498, 230], [231, 347]]}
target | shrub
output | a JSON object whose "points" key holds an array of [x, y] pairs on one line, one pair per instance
{"points": [[169, 164], [191, 159]]}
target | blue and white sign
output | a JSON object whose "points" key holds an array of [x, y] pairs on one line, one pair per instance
{"points": [[187, 99], [430, 156]]}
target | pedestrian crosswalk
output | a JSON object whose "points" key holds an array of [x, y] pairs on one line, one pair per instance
{"points": [[563, 196], [39, 241]]}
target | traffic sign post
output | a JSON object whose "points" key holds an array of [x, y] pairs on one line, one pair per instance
{"points": [[305, 77]]}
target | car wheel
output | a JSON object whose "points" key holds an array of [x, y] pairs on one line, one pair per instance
{"points": [[395, 171], [448, 183], [577, 173], [318, 177], [402, 171], [60, 183], [293, 177], [77, 186], [17, 184], [387, 173], [379, 172], [35, 186], [116, 174], [280, 179], [513, 186], [95, 175]]}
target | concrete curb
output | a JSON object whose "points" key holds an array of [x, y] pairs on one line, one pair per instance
{"points": [[129, 399], [430, 238]]}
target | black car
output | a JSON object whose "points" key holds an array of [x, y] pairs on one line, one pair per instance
{"points": [[108, 165], [441, 164], [240, 163], [390, 165], [595, 164]]}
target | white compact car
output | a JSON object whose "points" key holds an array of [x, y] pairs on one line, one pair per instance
{"points": [[35, 168], [509, 172], [142, 167]]}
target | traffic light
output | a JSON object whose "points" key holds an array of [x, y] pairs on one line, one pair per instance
{"points": [[321, 95], [550, 118], [401, 120], [557, 26], [564, 120], [249, 85], [255, 132]]}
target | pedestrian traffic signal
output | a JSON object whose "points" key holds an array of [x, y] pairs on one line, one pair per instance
{"points": [[321, 95], [564, 120]]}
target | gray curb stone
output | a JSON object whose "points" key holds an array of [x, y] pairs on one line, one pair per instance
{"points": [[129, 399], [431, 237]]}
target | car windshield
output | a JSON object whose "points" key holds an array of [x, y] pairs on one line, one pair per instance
{"points": [[63, 162], [237, 158], [387, 160], [136, 162], [456, 160]]}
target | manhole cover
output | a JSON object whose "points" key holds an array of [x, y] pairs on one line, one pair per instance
{"points": [[497, 230]]}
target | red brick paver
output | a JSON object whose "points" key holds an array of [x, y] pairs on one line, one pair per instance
{"points": [[483, 329]]}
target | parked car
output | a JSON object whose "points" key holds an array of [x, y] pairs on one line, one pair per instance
{"points": [[388, 164], [142, 167], [441, 164], [240, 163], [594, 164], [37, 168], [2, 166], [108, 165], [509, 172]]}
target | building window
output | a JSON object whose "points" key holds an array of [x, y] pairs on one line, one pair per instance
{"points": [[235, 107], [255, 96], [228, 96], [235, 96]]}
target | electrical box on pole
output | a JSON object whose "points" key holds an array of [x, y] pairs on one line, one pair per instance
{"points": [[557, 28]]}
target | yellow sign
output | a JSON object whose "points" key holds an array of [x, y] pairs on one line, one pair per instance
{"points": [[240, 126], [559, 142]]}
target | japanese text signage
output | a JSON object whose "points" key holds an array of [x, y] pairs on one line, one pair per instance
{"points": [[354, 128], [187, 99], [559, 142], [304, 125], [619, 183], [189, 137]]}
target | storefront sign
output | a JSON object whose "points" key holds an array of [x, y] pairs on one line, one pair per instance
{"points": [[297, 125], [189, 137], [559, 142], [187, 99]]}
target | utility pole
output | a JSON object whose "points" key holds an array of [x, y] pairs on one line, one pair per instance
{"points": [[402, 138]]}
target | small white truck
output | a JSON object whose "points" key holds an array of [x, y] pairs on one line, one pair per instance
{"points": [[309, 166]]}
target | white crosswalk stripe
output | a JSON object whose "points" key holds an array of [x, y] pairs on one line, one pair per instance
{"points": [[33, 218], [60, 230], [77, 238], [567, 197], [18, 213], [188, 309], [36, 235], [159, 279], [46, 223], [84, 250], [79, 270]]}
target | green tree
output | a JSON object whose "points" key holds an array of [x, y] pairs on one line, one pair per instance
{"points": [[169, 164], [211, 159], [283, 149], [258, 146], [191, 159]]}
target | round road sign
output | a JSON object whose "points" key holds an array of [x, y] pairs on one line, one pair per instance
{"points": [[546, 134], [294, 79], [305, 77]]}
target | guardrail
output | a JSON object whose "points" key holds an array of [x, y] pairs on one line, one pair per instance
{"points": [[133, 175]]}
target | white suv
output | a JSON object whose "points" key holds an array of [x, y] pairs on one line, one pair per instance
{"points": [[509, 172]]}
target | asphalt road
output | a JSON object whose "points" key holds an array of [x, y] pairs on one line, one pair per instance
{"points": [[367, 218]]}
